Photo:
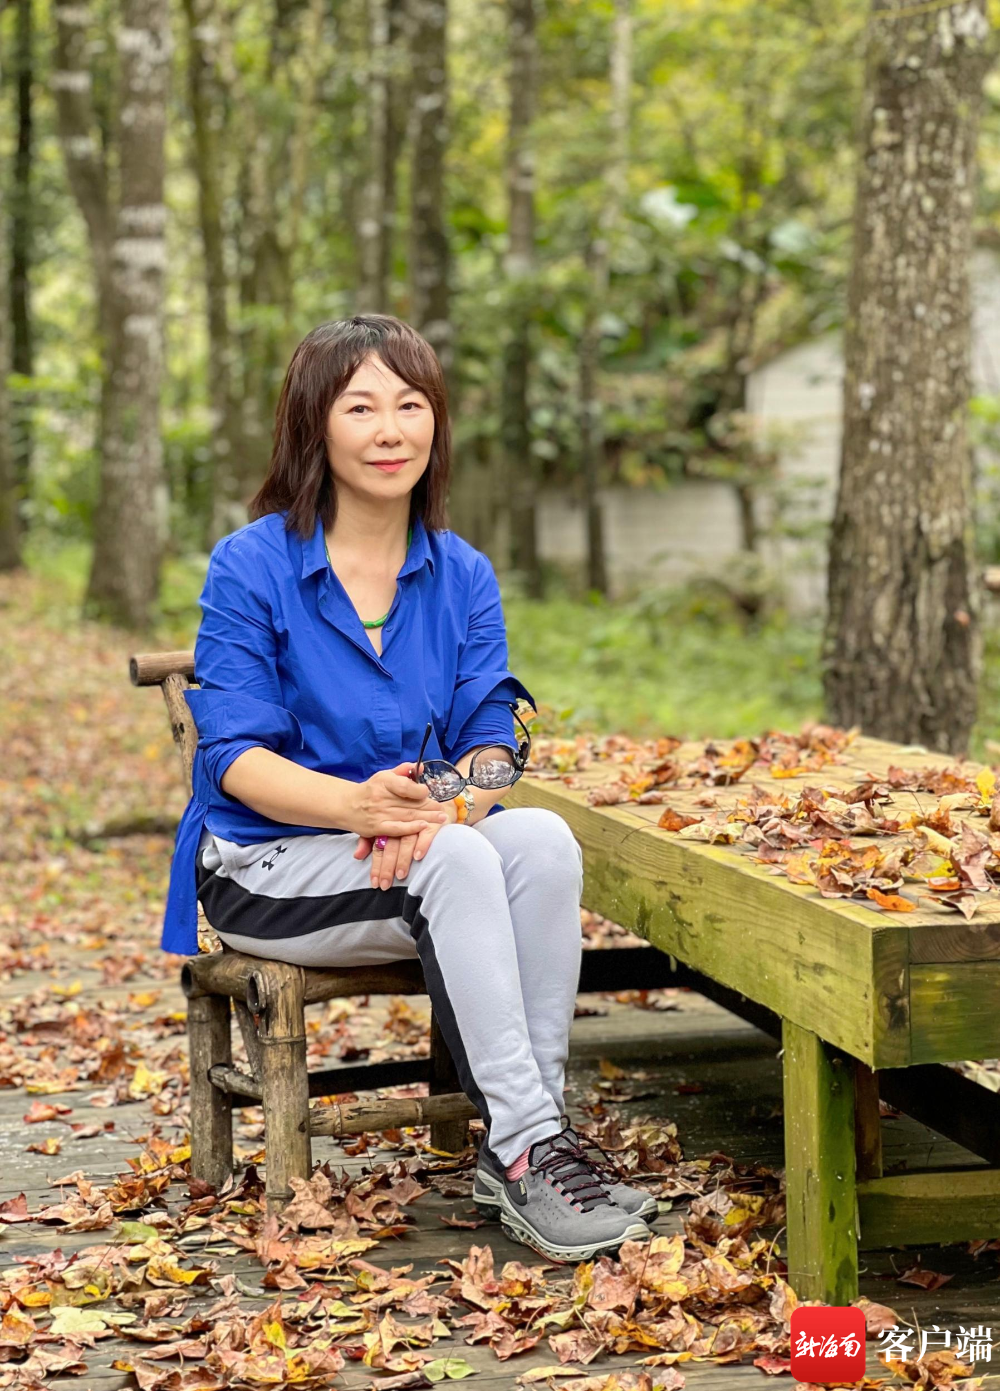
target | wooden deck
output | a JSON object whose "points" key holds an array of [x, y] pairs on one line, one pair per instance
{"points": [[738, 1111]]}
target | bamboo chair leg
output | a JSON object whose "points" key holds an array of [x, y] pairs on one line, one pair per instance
{"points": [[250, 1038], [451, 1136], [210, 1042], [275, 993]]}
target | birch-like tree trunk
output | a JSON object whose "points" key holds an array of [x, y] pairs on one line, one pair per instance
{"points": [[131, 520], [429, 250], [902, 649], [597, 259], [208, 118], [127, 236], [519, 470]]}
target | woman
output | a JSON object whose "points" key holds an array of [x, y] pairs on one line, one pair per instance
{"points": [[310, 714]]}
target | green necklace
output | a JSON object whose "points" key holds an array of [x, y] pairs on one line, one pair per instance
{"points": [[372, 623]]}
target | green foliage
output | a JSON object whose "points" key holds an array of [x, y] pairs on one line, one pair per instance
{"points": [[681, 661]]}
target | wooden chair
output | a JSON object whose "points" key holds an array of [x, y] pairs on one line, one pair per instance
{"points": [[269, 999]]}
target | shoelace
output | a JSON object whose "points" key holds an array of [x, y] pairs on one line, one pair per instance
{"points": [[605, 1168], [565, 1164]]}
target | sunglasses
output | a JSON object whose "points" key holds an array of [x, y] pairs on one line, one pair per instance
{"points": [[496, 766]]}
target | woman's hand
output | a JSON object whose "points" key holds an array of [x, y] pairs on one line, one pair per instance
{"points": [[397, 856], [391, 803]]}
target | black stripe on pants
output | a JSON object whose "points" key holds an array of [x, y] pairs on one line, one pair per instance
{"points": [[230, 908]]}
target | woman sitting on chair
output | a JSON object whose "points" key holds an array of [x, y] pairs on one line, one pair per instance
{"points": [[329, 735]]}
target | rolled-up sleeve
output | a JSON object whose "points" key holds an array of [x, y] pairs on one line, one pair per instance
{"points": [[485, 688], [238, 706]]}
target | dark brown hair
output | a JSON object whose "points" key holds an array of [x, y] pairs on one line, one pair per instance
{"points": [[299, 476]]}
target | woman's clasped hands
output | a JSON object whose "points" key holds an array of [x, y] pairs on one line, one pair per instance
{"points": [[392, 805]]}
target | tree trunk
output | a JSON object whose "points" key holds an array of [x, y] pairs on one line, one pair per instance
{"points": [[10, 552], [373, 226], [22, 356], [82, 151], [130, 523], [597, 259], [208, 120], [277, 128], [429, 253], [591, 433], [519, 469], [902, 643]]}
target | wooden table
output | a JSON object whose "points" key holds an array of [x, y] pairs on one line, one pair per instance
{"points": [[871, 1003]]}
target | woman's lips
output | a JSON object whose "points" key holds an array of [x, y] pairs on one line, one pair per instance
{"points": [[390, 468]]}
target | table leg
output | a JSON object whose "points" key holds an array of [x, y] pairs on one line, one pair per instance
{"points": [[867, 1123], [819, 1168]]}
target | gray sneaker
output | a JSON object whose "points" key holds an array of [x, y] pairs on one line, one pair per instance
{"points": [[490, 1178], [627, 1196], [559, 1207]]}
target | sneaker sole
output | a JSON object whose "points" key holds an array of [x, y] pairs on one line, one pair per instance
{"points": [[519, 1230], [487, 1200]]}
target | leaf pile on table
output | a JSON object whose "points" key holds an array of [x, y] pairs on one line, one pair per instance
{"points": [[945, 848]]}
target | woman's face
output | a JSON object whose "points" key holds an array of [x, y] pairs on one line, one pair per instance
{"points": [[377, 418]]}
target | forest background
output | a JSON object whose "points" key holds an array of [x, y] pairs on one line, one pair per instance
{"points": [[603, 213]]}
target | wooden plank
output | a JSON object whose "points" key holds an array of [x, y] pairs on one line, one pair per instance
{"points": [[839, 970], [819, 1169], [938, 1206], [955, 942], [954, 1012]]}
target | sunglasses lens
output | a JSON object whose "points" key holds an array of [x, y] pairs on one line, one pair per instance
{"points": [[493, 767]]}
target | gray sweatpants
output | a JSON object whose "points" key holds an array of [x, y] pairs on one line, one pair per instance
{"points": [[493, 913]]}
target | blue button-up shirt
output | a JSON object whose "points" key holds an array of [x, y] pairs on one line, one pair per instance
{"points": [[283, 661]]}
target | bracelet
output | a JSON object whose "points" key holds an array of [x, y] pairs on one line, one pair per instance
{"points": [[460, 809]]}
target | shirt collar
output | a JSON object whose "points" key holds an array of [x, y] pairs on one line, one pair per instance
{"points": [[314, 550]]}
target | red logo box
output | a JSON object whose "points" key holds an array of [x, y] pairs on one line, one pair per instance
{"points": [[828, 1343]]}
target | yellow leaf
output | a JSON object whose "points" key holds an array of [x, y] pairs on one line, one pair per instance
{"points": [[50, 1146], [986, 782], [142, 999], [33, 1297], [274, 1333], [170, 1273], [936, 841], [145, 1082]]}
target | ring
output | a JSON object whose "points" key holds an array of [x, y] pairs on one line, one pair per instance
{"points": [[380, 842]]}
